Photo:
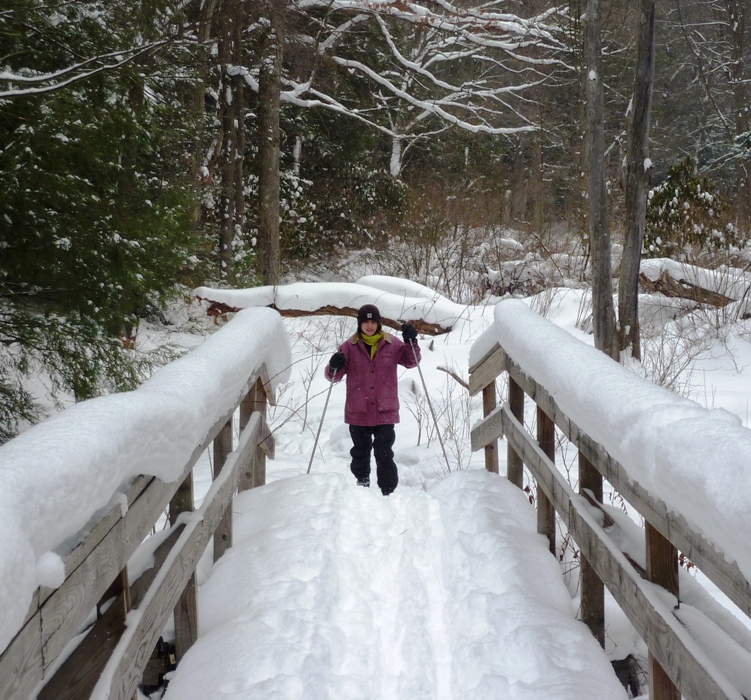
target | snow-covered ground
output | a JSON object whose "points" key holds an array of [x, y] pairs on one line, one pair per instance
{"points": [[441, 590]]}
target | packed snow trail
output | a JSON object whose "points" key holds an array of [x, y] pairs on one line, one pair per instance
{"points": [[332, 591]]}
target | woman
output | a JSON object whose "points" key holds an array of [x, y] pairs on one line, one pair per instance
{"points": [[369, 360]]}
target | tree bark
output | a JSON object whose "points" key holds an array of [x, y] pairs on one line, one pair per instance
{"points": [[637, 180], [269, 95], [737, 12], [227, 22], [603, 311], [238, 92]]}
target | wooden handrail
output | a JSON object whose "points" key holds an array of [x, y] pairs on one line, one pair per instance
{"points": [[689, 669], [100, 557]]}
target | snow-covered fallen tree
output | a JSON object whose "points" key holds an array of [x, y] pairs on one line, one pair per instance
{"points": [[718, 287], [398, 301]]}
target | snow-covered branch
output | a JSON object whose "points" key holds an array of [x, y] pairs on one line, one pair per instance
{"points": [[49, 82]]}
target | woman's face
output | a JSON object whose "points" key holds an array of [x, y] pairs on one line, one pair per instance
{"points": [[369, 327]]}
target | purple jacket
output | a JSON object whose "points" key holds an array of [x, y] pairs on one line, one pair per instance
{"points": [[372, 392]]}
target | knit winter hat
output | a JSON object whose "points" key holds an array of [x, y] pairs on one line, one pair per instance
{"points": [[369, 312]]}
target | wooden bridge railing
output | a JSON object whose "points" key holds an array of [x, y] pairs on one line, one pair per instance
{"points": [[97, 577], [677, 666]]}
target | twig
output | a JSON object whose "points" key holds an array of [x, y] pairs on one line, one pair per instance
{"points": [[453, 374]]}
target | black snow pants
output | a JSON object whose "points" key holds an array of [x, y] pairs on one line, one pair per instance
{"points": [[381, 439]]}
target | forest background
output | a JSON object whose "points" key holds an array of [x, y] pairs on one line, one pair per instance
{"points": [[146, 148]]}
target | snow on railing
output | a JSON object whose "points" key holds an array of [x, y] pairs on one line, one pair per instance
{"points": [[80, 494], [683, 467]]}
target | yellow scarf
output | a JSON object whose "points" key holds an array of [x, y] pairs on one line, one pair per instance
{"points": [[372, 342]]}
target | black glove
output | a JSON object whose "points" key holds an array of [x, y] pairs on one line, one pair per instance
{"points": [[409, 332], [337, 361]]}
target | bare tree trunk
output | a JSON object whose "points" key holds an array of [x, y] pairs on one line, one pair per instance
{"points": [[637, 179], [269, 91], [227, 22], [603, 311], [737, 12], [238, 102]]}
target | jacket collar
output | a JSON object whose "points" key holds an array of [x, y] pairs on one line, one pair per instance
{"points": [[386, 336]]}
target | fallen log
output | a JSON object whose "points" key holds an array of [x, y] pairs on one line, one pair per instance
{"points": [[667, 285], [217, 308]]}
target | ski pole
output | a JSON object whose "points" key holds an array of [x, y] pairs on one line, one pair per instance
{"points": [[432, 412], [320, 425]]}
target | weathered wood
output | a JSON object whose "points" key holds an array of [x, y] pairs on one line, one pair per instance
{"points": [[162, 596], [186, 610], [514, 464], [22, 665], [265, 449], [667, 639], [491, 449], [91, 564], [186, 618], [592, 589], [662, 569], [487, 370], [79, 673], [222, 449], [545, 508], [726, 576], [660, 685], [487, 430]]}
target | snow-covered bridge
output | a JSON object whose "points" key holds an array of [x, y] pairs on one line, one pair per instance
{"points": [[446, 589]]}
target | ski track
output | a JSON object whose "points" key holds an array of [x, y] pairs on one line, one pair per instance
{"points": [[333, 592], [403, 604]]}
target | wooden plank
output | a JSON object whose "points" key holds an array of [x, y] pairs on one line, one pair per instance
{"points": [[490, 367], [91, 564], [488, 429], [674, 526], [186, 610], [163, 594], [77, 676], [473, 368], [667, 639], [100, 560], [22, 667], [514, 464], [545, 508], [491, 449], [592, 589], [222, 449], [662, 569]]}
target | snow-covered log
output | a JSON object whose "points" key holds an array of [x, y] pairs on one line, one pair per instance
{"points": [[397, 300], [717, 287]]}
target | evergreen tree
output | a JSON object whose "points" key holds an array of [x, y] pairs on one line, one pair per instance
{"points": [[96, 215]]}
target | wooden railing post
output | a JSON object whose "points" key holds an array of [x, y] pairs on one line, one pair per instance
{"points": [[186, 610], [222, 448], [491, 450], [592, 589], [514, 464], [259, 404], [662, 569], [545, 508]]}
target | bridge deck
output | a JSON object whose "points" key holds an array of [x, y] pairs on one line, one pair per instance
{"points": [[333, 591]]}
